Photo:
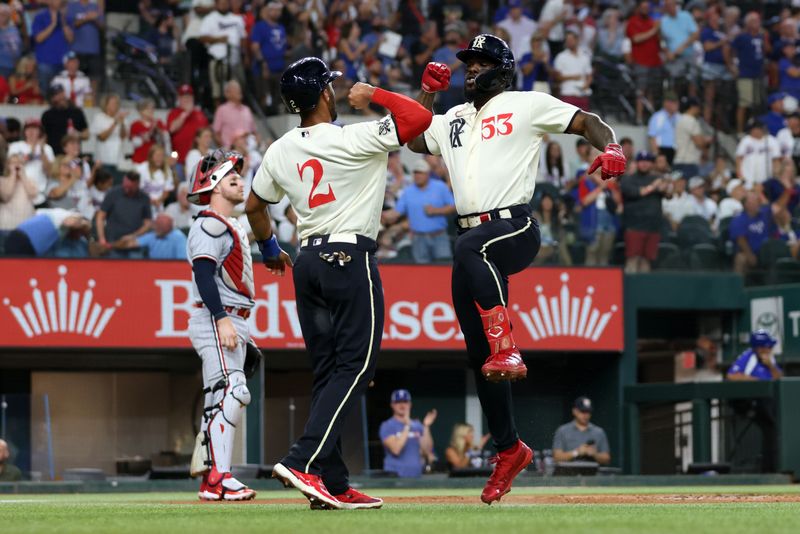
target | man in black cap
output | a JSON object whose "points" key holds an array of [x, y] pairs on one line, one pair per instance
{"points": [[579, 439], [62, 118], [642, 218]]}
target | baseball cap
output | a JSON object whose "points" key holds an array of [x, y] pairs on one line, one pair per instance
{"points": [[774, 97], [583, 404], [696, 181], [753, 123], [422, 166], [185, 89], [69, 55], [644, 155], [733, 184], [401, 395], [32, 122], [514, 3]]}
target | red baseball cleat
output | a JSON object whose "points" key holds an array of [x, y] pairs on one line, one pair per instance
{"points": [[207, 493], [309, 485], [218, 486], [504, 361], [508, 464], [353, 500]]}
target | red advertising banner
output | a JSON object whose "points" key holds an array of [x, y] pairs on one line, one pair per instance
{"points": [[146, 304]]}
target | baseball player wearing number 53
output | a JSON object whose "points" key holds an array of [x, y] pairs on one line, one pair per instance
{"points": [[491, 148], [335, 178]]}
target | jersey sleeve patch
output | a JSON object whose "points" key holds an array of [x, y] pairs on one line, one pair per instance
{"points": [[213, 227]]}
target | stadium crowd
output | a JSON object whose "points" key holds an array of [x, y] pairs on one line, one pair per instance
{"points": [[695, 75]]}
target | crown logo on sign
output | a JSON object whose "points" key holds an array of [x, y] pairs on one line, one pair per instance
{"points": [[62, 310], [565, 316]]}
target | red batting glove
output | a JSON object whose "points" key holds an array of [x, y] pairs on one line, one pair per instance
{"points": [[612, 162], [436, 77]]}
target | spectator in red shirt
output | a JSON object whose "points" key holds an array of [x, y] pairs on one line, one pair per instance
{"points": [[643, 32], [24, 84], [183, 123], [146, 131], [3, 90]]}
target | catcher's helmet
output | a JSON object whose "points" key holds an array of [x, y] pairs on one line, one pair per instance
{"points": [[303, 81], [761, 338], [209, 171], [493, 48]]}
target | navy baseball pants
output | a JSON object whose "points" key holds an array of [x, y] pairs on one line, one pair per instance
{"points": [[340, 308], [484, 258]]}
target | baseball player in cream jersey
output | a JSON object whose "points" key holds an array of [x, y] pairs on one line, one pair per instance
{"points": [[491, 147], [335, 178], [222, 288]]}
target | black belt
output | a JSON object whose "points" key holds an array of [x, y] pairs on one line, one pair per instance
{"points": [[361, 242], [476, 219]]}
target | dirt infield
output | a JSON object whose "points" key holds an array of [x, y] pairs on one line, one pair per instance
{"points": [[560, 499]]}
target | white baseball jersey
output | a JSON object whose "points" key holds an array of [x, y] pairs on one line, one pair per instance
{"points": [[335, 177], [493, 154], [211, 238]]}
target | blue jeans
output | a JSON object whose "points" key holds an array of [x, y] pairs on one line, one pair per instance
{"points": [[428, 247], [46, 73]]}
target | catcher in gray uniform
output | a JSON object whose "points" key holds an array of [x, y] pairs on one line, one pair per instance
{"points": [[222, 276]]}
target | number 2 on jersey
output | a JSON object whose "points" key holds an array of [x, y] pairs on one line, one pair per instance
{"points": [[498, 124], [315, 201]]}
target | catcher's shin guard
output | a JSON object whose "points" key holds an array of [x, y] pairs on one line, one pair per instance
{"points": [[225, 416]]}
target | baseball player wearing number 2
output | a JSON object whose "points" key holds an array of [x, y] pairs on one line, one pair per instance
{"points": [[491, 147], [335, 178]]}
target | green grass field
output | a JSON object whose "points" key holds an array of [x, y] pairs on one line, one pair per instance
{"points": [[279, 511]]}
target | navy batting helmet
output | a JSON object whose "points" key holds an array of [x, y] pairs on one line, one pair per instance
{"points": [[303, 81], [761, 338], [488, 46]]}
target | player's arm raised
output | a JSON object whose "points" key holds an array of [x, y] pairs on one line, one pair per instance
{"points": [[411, 118], [602, 137], [435, 78], [273, 257]]}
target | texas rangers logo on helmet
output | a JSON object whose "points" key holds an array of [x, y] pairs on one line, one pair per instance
{"points": [[479, 41]]}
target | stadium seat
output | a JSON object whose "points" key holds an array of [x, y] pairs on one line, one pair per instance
{"points": [[577, 251], [665, 252], [693, 230], [784, 271], [667, 233], [704, 256], [771, 251], [618, 254]]}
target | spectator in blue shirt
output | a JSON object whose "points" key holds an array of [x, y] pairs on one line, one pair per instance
{"points": [[750, 229], [10, 42], [535, 66], [51, 37], [717, 62], [53, 232], [426, 203], [774, 119], [661, 128], [749, 49], [789, 70], [679, 32], [162, 243], [87, 21], [406, 441], [758, 364], [269, 46]]}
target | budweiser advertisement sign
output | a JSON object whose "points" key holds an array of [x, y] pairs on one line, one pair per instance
{"points": [[146, 304]]}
